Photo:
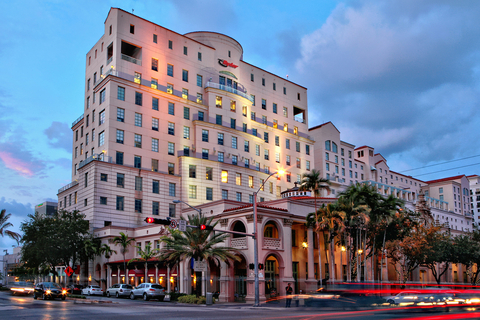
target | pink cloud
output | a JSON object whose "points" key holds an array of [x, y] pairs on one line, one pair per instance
{"points": [[15, 164]]}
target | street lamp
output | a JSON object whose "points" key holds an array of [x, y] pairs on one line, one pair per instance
{"points": [[255, 238], [196, 209]]}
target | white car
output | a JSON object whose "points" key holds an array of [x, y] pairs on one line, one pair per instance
{"points": [[119, 290], [404, 297], [92, 290], [148, 291]]}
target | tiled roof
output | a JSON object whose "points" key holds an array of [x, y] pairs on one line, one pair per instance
{"points": [[445, 179]]}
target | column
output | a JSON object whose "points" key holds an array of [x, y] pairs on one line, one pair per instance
{"points": [[287, 257], [119, 278], [311, 283], [156, 272], [227, 287], [168, 279], [181, 277]]}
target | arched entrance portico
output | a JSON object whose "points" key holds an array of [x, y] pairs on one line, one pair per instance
{"points": [[272, 276]]}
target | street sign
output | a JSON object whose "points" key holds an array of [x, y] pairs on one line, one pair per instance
{"points": [[182, 225], [69, 271], [173, 224], [200, 266]]}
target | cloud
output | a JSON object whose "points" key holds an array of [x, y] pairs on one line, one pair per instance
{"points": [[401, 76], [59, 135], [19, 213], [22, 161]]}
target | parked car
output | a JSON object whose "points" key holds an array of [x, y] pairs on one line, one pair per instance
{"points": [[148, 291], [21, 288], [119, 290], [92, 290], [49, 290], [75, 289]]}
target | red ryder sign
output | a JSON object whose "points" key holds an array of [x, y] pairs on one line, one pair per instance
{"points": [[225, 63]]}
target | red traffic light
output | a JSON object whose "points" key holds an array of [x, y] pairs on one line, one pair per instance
{"points": [[150, 220], [203, 227]]}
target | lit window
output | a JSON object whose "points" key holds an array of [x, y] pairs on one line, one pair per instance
{"points": [[224, 176]]}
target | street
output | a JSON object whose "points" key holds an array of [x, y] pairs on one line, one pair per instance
{"points": [[25, 307]]}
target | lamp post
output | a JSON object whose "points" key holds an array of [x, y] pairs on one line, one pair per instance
{"points": [[196, 209], [255, 239]]}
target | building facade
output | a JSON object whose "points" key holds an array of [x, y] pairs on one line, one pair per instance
{"points": [[184, 117]]}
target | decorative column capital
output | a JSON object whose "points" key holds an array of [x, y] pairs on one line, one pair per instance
{"points": [[287, 222], [223, 222], [250, 217]]}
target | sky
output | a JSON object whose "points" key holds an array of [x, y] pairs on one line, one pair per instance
{"points": [[402, 76]]}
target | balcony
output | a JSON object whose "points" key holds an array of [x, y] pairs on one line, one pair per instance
{"points": [[97, 157], [77, 121], [272, 243], [239, 243], [229, 89], [131, 59], [68, 186]]}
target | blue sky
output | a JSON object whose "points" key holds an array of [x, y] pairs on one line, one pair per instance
{"points": [[400, 76]]}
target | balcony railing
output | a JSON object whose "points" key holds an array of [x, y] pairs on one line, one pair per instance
{"points": [[131, 59], [77, 121], [299, 119], [98, 157], [109, 60], [239, 243], [68, 186], [228, 89], [272, 243]]}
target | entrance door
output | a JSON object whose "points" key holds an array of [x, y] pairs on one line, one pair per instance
{"points": [[271, 278]]}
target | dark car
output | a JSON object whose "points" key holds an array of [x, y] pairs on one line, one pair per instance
{"points": [[49, 290], [75, 289]]}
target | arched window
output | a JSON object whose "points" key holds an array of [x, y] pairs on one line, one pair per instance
{"points": [[334, 147], [327, 145], [239, 227], [270, 230]]}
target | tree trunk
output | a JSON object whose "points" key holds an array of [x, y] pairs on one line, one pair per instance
{"points": [[320, 260]]}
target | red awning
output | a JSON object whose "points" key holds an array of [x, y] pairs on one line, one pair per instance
{"points": [[136, 273]]}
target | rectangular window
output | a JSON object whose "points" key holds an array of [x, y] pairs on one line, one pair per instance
{"points": [[155, 124], [170, 70], [233, 106], [199, 80], [138, 141], [154, 83], [307, 149], [184, 93], [120, 180], [204, 135], [186, 132], [234, 160], [172, 189], [138, 98], [224, 176], [155, 186], [154, 64], [244, 111], [263, 82], [171, 148], [209, 173], [192, 192], [218, 101], [264, 104], [120, 93], [154, 103], [101, 117], [265, 137], [246, 146], [119, 158], [277, 141], [170, 44], [285, 112], [103, 177], [247, 163], [154, 145], [138, 205], [250, 181], [199, 98], [86, 181], [170, 88], [199, 56], [155, 165], [218, 119], [185, 75], [264, 119], [257, 150], [120, 136], [220, 138], [307, 165], [137, 78], [155, 208], [171, 168], [120, 203], [192, 171], [138, 119], [209, 193], [154, 38], [225, 194], [239, 196], [266, 154], [220, 157], [185, 52], [205, 154], [138, 183], [171, 128], [288, 160], [238, 179], [137, 162], [277, 157], [297, 146], [253, 116], [101, 138], [299, 163], [103, 200], [244, 127], [171, 210], [234, 142]]}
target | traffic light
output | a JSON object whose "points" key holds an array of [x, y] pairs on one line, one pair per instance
{"points": [[260, 266], [205, 227], [165, 222]]}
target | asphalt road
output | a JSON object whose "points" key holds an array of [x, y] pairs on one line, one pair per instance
{"points": [[25, 307]]}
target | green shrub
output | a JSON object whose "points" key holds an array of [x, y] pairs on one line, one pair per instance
{"points": [[201, 300], [192, 299], [175, 295]]}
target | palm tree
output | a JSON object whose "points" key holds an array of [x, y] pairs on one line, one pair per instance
{"points": [[145, 255], [314, 181], [124, 243], [330, 219], [197, 245], [4, 224], [107, 253]]}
